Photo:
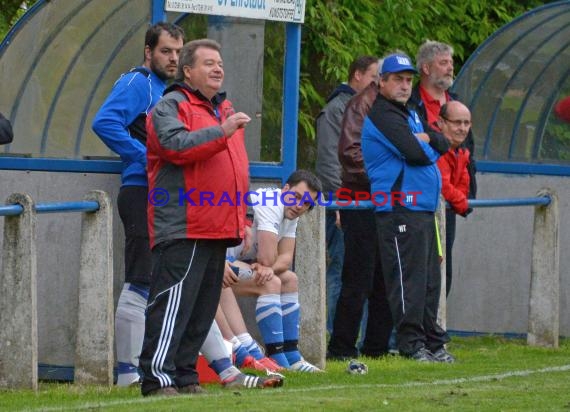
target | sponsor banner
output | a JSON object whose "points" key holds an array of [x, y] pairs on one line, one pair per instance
{"points": [[291, 11]]}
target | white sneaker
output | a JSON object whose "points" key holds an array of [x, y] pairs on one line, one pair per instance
{"points": [[128, 379], [304, 366]]}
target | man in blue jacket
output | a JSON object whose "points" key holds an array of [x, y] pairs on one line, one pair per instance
{"points": [[400, 160], [120, 123]]}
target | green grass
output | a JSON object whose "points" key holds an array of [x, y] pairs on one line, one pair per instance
{"points": [[491, 374]]}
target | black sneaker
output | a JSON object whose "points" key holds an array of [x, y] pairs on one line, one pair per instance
{"points": [[442, 355], [422, 355]]}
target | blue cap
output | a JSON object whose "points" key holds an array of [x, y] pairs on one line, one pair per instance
{"points": [[396, 63]]}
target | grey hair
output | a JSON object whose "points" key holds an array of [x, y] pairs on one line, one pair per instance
{"points": [[188, 54], [429, 49]]}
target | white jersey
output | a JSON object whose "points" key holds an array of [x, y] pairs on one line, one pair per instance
{"points": [[268, 215]]}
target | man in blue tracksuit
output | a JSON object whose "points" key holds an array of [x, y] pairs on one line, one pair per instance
{"points": [[120, 123], [400, 160]]}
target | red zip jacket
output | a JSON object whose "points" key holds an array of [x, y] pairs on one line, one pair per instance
{"points": [[455, 178], [197, 177]]}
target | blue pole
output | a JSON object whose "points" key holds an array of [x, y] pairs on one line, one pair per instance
{"points": [[11, 210], [157, 13], [367, 204], [523, 201], [291, 79], [62, 207], [92, 206], [53, 207]]}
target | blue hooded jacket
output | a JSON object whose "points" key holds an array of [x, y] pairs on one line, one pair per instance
{"points": [[399, 165], [133, 95]]}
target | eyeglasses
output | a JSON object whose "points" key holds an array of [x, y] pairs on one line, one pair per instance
{"points": [[457, 123]]}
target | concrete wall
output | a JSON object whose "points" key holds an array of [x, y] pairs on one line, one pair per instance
{"points": [[58, 241], [58, 251], [492, 258]]}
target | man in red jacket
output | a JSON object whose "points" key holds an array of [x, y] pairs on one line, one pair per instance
{"points": [[455, 123], [198, 175]]}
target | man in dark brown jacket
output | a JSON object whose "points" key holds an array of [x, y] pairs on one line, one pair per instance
{"points": [[361, 72], [362, 274], [349, 151]]}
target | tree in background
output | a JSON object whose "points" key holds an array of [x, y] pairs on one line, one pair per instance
{"points": [[11, 10], [337, 31]]}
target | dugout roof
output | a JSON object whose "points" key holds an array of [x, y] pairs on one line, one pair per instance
{"points": [[512, 83]]}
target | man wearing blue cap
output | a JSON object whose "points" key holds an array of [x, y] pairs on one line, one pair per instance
{"points": [[400, 159]]}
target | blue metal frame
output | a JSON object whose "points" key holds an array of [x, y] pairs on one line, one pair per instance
{"points": [[256, 169], [11, 210], [157, 13], [521, 201], [52, 207], [66, 207], [509, 202], [291, 77], [61, 165], [523, 168]]}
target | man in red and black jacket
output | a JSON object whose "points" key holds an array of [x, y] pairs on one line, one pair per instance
{"points": [[198, 175]]}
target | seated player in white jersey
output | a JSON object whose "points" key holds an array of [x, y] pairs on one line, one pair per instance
{"points": [[266, 266]]}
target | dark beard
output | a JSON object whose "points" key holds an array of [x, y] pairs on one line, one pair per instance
{"points": [[160, 73]]}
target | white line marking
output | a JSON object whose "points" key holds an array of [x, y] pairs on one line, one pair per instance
{"points": [[483, 378]]}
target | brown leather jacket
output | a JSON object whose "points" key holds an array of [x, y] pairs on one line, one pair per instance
{"points": [[349, 145]]}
